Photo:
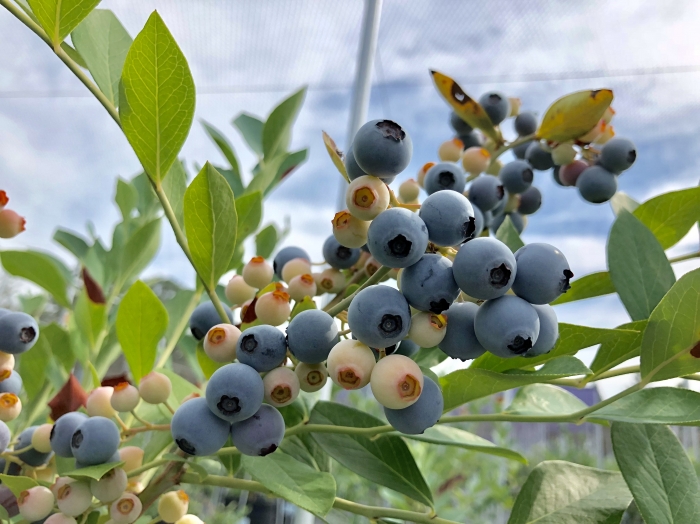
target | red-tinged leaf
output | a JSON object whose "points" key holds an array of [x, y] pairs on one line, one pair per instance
{"points": [[92, 288], [70, 398], [250, 315], [115, 380]]}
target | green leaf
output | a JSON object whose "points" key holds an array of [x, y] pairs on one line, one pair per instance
{"points": [[207, 364], [148, 204], [181, 387], [290, 163], [544, 399], [620, 349], [33, 366], [336, 155], [93, 472], [658, 472], [386, 461], [269, 171], [465, 385], [126, 198], [211, 224], [60, 17], [103, 43], [42, 269], [174, 187], [294, 481], [558, 492], [90, 318], [573, 115], [654, 406], [251, 129], [589, 286], [276, 131], [59, 344], [671, 215], [156, 99], [265, 241], [72, 242], [449, 436], [17, 484], [429, 357], [622, 200], [231, 463], [227, 150], [509, 235], [638, 266], [303, 305], [249, 212], [669, 346], [139, 250], [141, 323]]}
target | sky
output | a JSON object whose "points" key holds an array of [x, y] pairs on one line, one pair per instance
{"points": [[60, 153]]}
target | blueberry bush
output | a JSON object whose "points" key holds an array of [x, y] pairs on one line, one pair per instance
{"points": [[120, 396]]}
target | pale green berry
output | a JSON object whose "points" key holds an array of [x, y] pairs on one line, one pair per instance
{"points": [[110, 486], [366, 197], [349, 230], [155, 388], [172, 506], [125, 397], [563, 154], [330, 281], [257, 272], [427, 329], [450, 150], [281, 387], [41, 438], [409, 190], [237, 291], [296, 266], [396, 381], [73, 497], [475, 160], [312, 377], [190, 519]]}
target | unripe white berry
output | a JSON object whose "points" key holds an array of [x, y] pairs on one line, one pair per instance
{"points": [[371, 266], [475, 160], [257, 273], [396, 382], [10, 407], [125, 509], [125, 397], [190, 519], [220, 342], [155, 388], [302, 286], [312, 377], [173, 506], [564, 154], [110, 486], [350, 364], [7, 362], [41, 438], [427, 329], [99, 402], [273, 308], [512, 204], [420, 177], [73, 497], [409, 190], [35, 503], [60, 518], [451, 150], [296, 266], [281, 387], [366, 197], [132, 457], [237, 291], [515, 104], [330, 281], [348, 230]]}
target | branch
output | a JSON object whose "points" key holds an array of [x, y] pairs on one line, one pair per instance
{"points": [[180, 328], [508, 147], [343, 304]]}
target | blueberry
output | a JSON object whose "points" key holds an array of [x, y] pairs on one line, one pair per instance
{"points": [[459, 125], [63, 430], [423, 414], [12, 384], [397, 238], [204, 317], [479, 222], [460, 341], [556, 175], [407, 348], [95, 441], [196, 430], [525, 123], [618, 154], [596, 184], [354, 171], [382, 148], [339, 256], [379, 316], [471, 139], [484, 268], [520, 150], [486, 192], [311, 335], [538, 158], [18, 332], [259, 435], [444, 176], [234, 392], [530, 201], [262, 347], [543, 273], [285, 255], [31, 457], [507, 326], [5, 437], [449, 217], [515, 218], [549, 331], [496, 105], [516, 176], [428, 285]]}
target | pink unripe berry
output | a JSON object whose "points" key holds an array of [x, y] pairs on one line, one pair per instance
{"points": [[330, 281], [60, 518], [422, 171], [132, 457], [155, 388], [350, 231], [451, 150], [475, 160], [427, 329], [172, 506], [273, 308], [281, 387], [125, 397], [99, 402], [296, 266], [190, 519], [366, 197], [257, 273], [312, 377], [73, 497], [110, 486], [350, 364], [396, 382], [237, 291], [302, 286], [7, 363], [569, 173], [35, 503], [125, 509], [409, 190], [11, 224], [220, 342], [41, 438], [10, 407]]}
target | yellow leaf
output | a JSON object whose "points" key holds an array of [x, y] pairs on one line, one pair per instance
{"points": [[574, 115], [466, 107], [335, 154]]}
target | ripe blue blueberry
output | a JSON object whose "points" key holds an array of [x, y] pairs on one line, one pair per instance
{"points": [[18, 332], [496, 105], [549, 331], [63, 430], [618, 154], [525, 123], [196, 430], [285, 255], [262, 347], [382, 148], [460, 340], [379, 316], [204, 317], [543, 273], [12, 384], [516, 176], [234, 392], [261, 434], [95, 441], [506, 326], [520, 150], [530, 201], [486, 192], [311, 335], [449, 217], [31, 457], [428, 285], [538, 158], [596, 184], [460, 126], [339, 256], [444, 176], [479, 222], [4, 311], [471, 139], [354, 171], [422, 414], [397, 238], [484, 268], [515, 218], [407, 348]]}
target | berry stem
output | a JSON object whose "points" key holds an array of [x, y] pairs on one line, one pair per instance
{"points": [[682, 258], [146, 467], [181, 326], [343, 304], [356, 279], [150, 427], [511, 145]]}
